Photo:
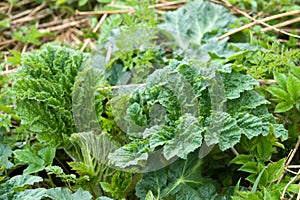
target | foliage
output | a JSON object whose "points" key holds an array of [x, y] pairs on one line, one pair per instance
{"points": [[43, 89], [72, 128], [287, 90]]}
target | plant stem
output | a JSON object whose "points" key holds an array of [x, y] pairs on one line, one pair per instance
{"points": [[290, 158], [51, 181]]}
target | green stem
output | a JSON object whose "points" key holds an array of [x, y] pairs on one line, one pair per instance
{"points": [[51, 181], [295, 120]]}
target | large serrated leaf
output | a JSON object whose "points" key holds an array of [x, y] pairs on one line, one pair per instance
{"points": [[133, 154], [250, 125], [155, 181], [181, 176], [190, 23], [63, 193], [230, 134], [236, 83]]}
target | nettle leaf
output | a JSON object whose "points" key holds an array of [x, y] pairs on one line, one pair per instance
{"points": [[284, 106], [47, 154], [182, 177]]}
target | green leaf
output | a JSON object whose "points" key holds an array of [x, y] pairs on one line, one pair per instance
{"points": [[120, 182], [20, 181], [230, 134], [250, 167], [281, 80], [295, 70], [82, 2], [279, 92], [104, 198], [30, 36], [150, 196], [28, 155], [184, 173], [63, 193], [188, 137], [280, 131], [188, 194], [275, 170], [33, 194], [47, 154], [250, 125], [132, 154], [242, 159], [5, 152], [236, 83], [264, 149], [254, 188], [179, 179], [283, 107], [207, 192], [293, 85], [151, 181], [15, 59], [43, 92], [192, 22]]}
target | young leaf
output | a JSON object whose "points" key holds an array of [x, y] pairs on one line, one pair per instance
{"points": [[293, 85], [242, 159], [47, 154], [284, 106], [295, 70], [275, 170], [264, 149], [281, 80], [28, 155], [250, 167]]}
